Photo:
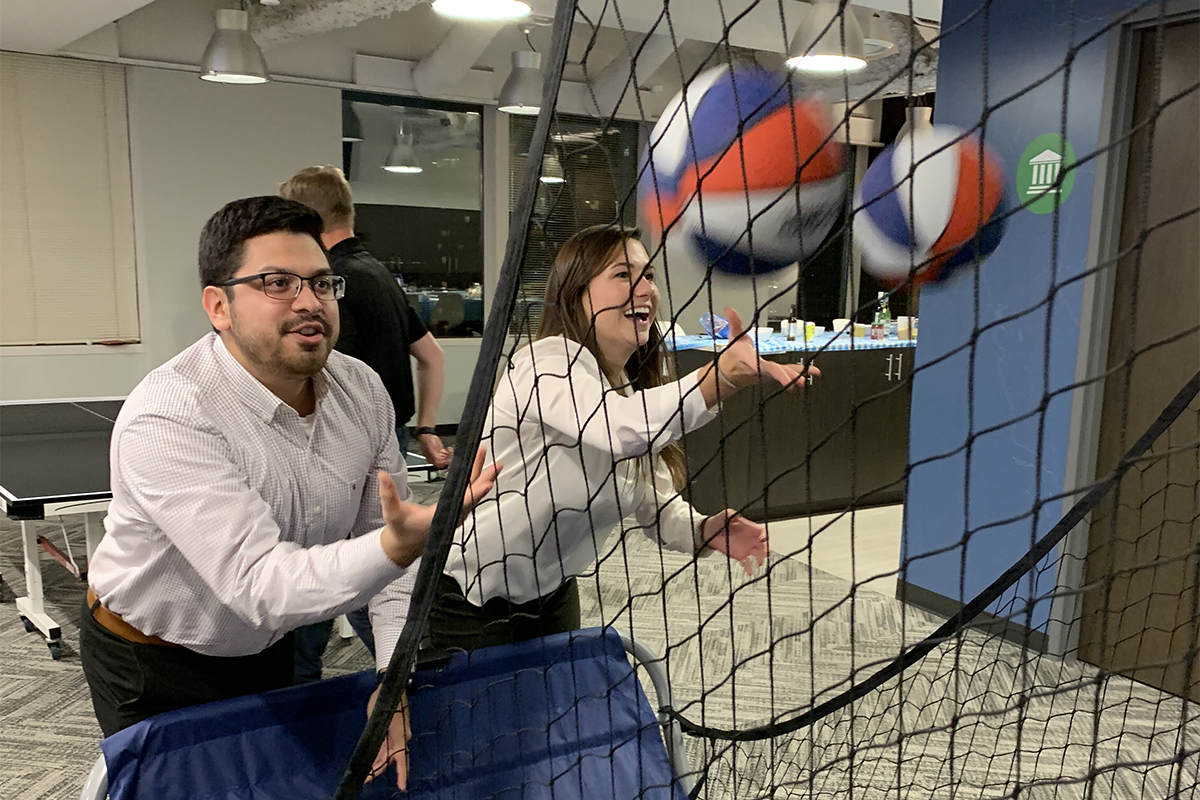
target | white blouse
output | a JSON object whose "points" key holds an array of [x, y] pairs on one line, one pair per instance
{"points": [[570, 446]]}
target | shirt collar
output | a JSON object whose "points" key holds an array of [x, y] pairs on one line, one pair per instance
{"points": [[252, 392], [346, 247]]}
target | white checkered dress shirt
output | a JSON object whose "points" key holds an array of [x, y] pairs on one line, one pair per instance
{"points": [[229, 526]]}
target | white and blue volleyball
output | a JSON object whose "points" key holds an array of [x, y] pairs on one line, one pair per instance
{"points": [[948, 213], [744, 165]]}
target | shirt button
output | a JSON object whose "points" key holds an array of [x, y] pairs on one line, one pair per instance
{"points": [[317, 509]]}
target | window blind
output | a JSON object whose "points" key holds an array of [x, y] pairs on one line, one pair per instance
{"points": [[598, 162], [67, 272]]}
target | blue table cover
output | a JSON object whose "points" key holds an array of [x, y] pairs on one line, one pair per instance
{"points": [[562, 717], [827, 342]]}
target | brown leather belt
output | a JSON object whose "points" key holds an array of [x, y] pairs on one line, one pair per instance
{"points": [[118, 627]]}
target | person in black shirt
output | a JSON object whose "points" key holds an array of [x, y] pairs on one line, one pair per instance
{"points": [[380, 328]]}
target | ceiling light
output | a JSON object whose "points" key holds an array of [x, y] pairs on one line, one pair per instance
{"points": [[552, 171], [819, 46], [351, 124], [522, 92], [482, 9], [403, 158], [232, 55], [876, 40]]}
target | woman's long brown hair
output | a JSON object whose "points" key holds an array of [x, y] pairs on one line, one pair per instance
{"points": [[583, 257]]}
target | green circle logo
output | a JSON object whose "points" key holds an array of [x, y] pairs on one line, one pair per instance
{"points": [[1046, 161]]}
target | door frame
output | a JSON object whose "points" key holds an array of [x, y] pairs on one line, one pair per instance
{"points": [[1096, 310]]}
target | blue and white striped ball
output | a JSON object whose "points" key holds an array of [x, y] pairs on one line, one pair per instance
{"points": [[950, 212], [724, 163]]}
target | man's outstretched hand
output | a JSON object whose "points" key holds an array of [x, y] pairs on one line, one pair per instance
{"points": [[406, 527]]}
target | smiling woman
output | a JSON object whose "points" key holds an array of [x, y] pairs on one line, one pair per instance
{"points": [[587, 425]]}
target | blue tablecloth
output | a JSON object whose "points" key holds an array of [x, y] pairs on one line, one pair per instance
{"points": [[776, 343]]}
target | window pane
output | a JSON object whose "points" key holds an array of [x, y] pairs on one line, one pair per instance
{"points": [[67, 272], [416, 180], [597, 163]]}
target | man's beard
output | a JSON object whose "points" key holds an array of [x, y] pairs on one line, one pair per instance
{"points": [[271, 354]]}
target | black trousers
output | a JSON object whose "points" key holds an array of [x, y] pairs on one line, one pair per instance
{"points": [[130, 682], [458, 624]]}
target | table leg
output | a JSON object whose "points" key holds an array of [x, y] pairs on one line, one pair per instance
{"points": [[93, 532], [32, 606], [343, 627]]}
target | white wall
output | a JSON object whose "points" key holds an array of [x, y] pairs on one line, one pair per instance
{"points": [[193, 146], [196, 146]]}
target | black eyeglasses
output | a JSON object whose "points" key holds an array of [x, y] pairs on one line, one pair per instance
{"points": [[287, 286]]}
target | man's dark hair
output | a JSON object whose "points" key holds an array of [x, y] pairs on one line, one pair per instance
{"points": [[223, 240]]}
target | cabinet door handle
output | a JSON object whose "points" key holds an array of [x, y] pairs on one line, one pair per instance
{"points": [[899, 363], [889, 369]]}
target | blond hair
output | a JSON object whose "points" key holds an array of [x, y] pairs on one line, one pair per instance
{"points": [[324, 190]]}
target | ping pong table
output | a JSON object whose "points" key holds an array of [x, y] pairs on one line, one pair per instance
{"points": [[54, 463]]}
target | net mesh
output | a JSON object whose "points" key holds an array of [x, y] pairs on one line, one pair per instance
{"points": [[985, 577]]}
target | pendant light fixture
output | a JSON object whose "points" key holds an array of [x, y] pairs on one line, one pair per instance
{"points": [[232, 56], [828, 41], [552, 171], [522, 92], [917, 118], [876, 40], [482, 9], [403, 157], [351, 124]]}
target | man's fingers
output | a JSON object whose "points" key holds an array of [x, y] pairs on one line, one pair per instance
{"points": [[394, 749], [381, 759], [477, 467], [402, 712], [401, 762], [400, 737], [389, 496]]}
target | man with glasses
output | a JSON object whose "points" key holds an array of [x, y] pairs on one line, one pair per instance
{"points": [[257, 484], [382, 330]]}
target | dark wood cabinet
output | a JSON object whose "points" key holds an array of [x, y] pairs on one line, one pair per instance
{"points": [[775, 455]]}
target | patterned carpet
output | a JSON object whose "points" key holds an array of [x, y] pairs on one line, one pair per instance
{"points": [[976, 719]]}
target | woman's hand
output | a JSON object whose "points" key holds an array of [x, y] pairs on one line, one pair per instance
{"points": [[740, 364], [395, 745], [406, 527], [738, 538]]}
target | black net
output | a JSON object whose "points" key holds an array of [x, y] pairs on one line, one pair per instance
{"points": [[984, 577]]}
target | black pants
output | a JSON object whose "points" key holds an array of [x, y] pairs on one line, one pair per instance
{"points": [[458, 624], [130, 682]]}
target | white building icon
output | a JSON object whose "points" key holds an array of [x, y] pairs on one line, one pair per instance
{"points": [[1046, 166]]}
